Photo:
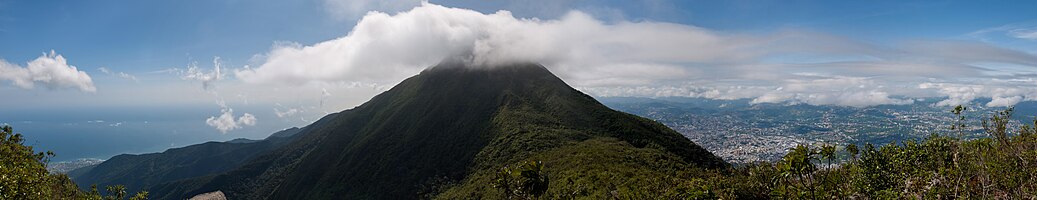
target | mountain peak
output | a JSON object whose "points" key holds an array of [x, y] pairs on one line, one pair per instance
{"points": [[519, 71], [452, 123]]}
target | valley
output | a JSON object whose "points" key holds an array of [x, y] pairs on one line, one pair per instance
{"points": [[743, 133]]}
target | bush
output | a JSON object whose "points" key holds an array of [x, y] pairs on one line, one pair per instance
{"points": [[23, 174]]}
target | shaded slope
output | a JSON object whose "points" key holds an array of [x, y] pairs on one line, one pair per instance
{"points": [[443, 125], [138, 172]]}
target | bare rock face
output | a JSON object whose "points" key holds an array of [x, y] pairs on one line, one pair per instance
{"points": [[217, 195]]}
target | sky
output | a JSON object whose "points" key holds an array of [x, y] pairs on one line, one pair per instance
{"points": [[143, 76]]}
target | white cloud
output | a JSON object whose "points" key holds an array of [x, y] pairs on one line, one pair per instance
{"points": [[387, 48], [208, 78], [287, 113], [847, 91], [227, 122], [1004, 101], [1002, 93], [815, 90], [1019, 30], [857, 98], [626, 58], [1029, 34], [956, 94], [119, 74], [50, 70], [247, 119]]}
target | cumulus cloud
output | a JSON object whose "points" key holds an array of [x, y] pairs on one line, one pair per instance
{"points": [[1004, 101], [50, 70], [227, 122], [1001, 92], [385, 48], [625, 58], [247, 119]]}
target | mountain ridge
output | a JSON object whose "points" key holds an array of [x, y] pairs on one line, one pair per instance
{"points": [[452, 123], [141, 171]]}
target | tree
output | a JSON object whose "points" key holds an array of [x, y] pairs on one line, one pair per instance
{"points": [[24, 175], [853, 151], [23, 172], [997, 125], [796, 172], [530, 181], [959, 125]]}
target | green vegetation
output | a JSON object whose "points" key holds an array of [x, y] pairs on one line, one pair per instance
{"points": [[519, 132], [526, 182], [23, 175], [446, 132], [141, 172], [1002, 166]]}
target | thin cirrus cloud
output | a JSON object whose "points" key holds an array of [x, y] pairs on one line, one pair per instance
{"points": [[123, 75], [645, 58], [50, 70], [1030, 34]]}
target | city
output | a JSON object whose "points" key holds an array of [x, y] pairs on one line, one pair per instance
{"points": [[742, 133]]}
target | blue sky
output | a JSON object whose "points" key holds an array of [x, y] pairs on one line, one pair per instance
{"points": [[151, 66], [151, 35]]}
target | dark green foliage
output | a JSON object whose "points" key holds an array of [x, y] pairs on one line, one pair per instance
{"points": [[141, 172], [601, 168], [23, 175], [116, 191], [22, 170], [852, 150], [451, 124], [528, 181]]}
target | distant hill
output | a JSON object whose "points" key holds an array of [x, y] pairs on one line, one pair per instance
{"points": [[242, 140], [138, 172], [446, 131]]}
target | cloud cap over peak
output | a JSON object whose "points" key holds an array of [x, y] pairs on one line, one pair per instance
{"points": [[599, 56]]}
